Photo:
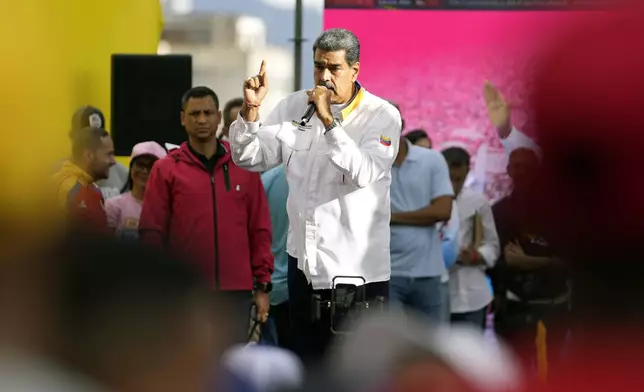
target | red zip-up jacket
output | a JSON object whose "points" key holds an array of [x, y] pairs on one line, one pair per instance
{"points": [[220, 221]]}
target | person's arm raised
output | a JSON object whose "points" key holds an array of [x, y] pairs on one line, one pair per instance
{"points": [[255, 147], [498, 109], [255, 90], [499, 112]]}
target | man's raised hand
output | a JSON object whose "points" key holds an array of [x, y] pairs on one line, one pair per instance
{"points": [[256, 87], [498, 109]]}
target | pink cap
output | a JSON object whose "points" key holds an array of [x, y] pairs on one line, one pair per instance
{"points": [[148, 148]]}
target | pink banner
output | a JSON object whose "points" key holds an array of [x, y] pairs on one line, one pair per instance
{"points": [[434, 63]]}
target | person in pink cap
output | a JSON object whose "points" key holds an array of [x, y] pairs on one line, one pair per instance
{"points": [[123, 211]]}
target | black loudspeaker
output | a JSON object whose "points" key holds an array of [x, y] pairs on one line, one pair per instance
{"points": [[146, 99]]}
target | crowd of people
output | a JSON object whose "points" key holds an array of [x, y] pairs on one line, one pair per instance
{"points": [[284, 229], [204, 203]]}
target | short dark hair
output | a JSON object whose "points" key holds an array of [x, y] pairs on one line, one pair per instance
{"points": [[456, 157], [87, 138], [525, 150], [199, 92], [233, 103], [415, 135], [333, 40]]}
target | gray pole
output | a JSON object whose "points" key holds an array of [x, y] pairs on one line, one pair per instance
{"points": [[297, 46]]}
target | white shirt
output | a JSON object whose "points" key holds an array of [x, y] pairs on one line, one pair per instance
{"points": [[469, 290], [517, 139], [338, 204]]}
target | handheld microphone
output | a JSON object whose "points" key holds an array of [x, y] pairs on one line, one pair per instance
{"points": [[310, 110], [308, 114]]}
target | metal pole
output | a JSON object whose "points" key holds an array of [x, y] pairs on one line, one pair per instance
{"points": [[297, 47]]}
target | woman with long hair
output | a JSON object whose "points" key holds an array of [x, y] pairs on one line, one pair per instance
{"points": [[123, 211]]}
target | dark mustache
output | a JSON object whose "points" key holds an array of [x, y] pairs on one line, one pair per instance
{"points": [[328, 85]]}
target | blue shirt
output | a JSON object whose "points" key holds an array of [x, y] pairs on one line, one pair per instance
{"points": [[423, 176], [276, 188]]}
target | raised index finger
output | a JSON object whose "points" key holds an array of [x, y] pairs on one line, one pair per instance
{"points": [[262, 68]]}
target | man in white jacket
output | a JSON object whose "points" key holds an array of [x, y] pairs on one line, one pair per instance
{"points": [[338, 167]]}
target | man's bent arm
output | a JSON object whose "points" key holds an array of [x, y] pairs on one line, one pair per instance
{"points": [[367, 162], [155, 209], [528, 263], [440, 193], [253, 146], [439, 210]]}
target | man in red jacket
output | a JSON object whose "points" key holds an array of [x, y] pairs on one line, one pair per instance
{"points": [[205, 210]]}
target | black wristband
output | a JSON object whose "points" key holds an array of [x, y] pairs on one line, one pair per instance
{"points": [[335, 123], [263, 287]]}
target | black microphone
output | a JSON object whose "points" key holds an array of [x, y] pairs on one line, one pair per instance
{"points": [[308, 114], [310, 110]]}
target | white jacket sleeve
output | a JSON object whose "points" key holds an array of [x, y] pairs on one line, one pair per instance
{"points": [[517, 139], [490, 248], [366, 162], [253, 146]]}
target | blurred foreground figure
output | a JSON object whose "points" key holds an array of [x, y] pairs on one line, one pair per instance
{"points": [[29, 285], [133, 319], [588, 112], [392, 353], [257, 368], [90, 314]]}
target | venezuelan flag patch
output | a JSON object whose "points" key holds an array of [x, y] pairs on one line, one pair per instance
{"points": [[385, 141]]}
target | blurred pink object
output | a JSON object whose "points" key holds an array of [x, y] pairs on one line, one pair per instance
{"points": [[148, 148]]}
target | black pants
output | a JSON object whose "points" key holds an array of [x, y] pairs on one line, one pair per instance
{"points": [[281, 317], [516, 323], [311, 338]]}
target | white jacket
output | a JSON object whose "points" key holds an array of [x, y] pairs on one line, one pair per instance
{"points": [[338, 205]]}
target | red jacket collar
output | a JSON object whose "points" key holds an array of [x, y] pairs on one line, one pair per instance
{"points": [[184, 154]]}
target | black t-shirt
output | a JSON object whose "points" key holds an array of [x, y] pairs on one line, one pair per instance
{"points": [[209, 163], [512, 224]]}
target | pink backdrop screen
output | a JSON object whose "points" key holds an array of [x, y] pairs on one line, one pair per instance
{"points": [[434, 64]]}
